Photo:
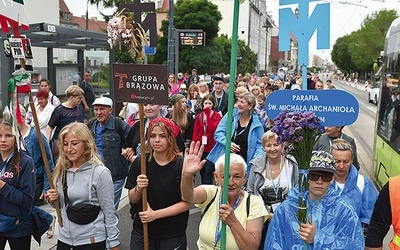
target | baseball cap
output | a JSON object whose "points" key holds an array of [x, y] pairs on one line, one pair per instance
{"points": [[105, 101], [218, 78], [322, 161], [183, 86]]}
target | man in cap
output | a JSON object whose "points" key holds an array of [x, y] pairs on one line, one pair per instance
{"points": [[332, 223], [183, 90], [109, 133], [221, 97]]}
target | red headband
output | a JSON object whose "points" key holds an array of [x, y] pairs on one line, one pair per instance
{"points": [[168, 123]]}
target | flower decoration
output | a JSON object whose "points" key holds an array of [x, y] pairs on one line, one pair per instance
{"points": [[123, 32], [298, 133]]}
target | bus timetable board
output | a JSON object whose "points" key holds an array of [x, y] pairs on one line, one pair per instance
{"points": [[194, 38]]}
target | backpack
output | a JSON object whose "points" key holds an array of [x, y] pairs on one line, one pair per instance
{"points": [[213, 198], [118, 127], [360, 183]]}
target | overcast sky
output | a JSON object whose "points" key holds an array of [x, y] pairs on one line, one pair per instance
{"points": [[346, 16]]}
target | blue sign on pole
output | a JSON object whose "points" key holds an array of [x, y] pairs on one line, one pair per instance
{"points": [[303, 25], [332, 107], [149, 50]]}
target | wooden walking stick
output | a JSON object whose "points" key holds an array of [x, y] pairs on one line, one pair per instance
{"points": [[42, 149], [143, 171]]}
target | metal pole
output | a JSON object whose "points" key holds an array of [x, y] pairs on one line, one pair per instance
{"points": [[259, 42], [87, 15], [171, 38], [176, 35]]}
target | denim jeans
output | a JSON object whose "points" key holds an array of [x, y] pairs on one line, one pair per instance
{"points": [[118, 185]]}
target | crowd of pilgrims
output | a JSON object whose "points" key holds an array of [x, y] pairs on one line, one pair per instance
{"points": [[186, 138]]}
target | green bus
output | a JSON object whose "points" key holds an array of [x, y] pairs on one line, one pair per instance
{"points": [[387, 142]]}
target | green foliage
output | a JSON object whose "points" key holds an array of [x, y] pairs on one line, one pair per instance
{"points": [[359, 50], [212, 58], [198, 14], [215, 56]]}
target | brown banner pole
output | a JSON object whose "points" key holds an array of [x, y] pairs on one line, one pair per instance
{"points": [[42, 149], [45, 159], [143, 171]]}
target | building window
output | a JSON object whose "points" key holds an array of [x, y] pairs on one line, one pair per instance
{"points": [[66, 16]]}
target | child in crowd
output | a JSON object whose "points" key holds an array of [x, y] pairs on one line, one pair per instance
{"points": [[260, 109], [205, 125]]}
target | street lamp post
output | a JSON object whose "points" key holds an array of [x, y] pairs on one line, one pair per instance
{"points": [[259, 43], [171, 38]]}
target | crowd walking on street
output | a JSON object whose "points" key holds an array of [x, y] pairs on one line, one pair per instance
{"points": [[93, 155]]}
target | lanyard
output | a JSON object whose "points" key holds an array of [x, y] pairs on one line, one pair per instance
{"points": [[205, 122], [218, 231], [3, 170], [236, 134], [220, 100], [276, 188]]}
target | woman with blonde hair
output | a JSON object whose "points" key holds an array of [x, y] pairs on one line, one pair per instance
{"points": [[203, 89], [180, 115], [166, 215], [238, 92], [272, 175], [84, 189]]}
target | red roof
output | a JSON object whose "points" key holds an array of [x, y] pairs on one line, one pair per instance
{"points": [[93, 25], [64, 7], [80, 22]]}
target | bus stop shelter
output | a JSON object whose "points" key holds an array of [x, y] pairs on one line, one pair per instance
{"points": [[52, 36]]}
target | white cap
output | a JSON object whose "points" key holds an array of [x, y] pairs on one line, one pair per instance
{"points": [[295, 87], [104, 101], [183, 86]]}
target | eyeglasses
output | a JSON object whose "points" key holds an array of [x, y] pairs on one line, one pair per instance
{"points": [[326, 177]]}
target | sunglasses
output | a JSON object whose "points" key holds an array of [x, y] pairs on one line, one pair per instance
{"points": [[326, 177]]}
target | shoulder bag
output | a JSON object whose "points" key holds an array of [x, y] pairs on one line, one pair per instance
{"points": [[80, 214]]}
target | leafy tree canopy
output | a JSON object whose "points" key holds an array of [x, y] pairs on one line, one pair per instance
{"points": [[212, 58], [359, 50]]}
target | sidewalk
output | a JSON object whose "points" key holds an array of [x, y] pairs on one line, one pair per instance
{"points": [[50, 244]]}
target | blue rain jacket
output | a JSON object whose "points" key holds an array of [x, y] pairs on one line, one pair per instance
{"points": [[254, 147], [337, 225], [362, 202]]}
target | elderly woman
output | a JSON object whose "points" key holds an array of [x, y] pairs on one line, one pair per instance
{"points": [[51, 98], [43, 110], [243, 214], [203, 89], [272, 175], [247, 131]]}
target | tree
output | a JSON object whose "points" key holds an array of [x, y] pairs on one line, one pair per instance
{"points": [[215, 56], [212, 58], [359, 50]]}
